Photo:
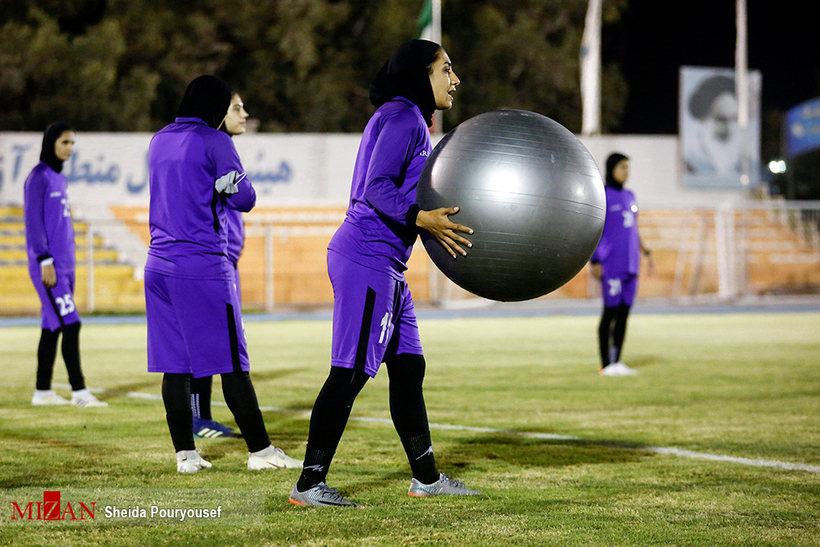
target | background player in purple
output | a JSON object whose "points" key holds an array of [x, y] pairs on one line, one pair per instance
{"points": [[616, 263], [50, 250], [373, 316], [194, 317], [201, 388]]}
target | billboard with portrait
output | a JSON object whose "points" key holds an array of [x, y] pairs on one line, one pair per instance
{"points": [[711, 140]]}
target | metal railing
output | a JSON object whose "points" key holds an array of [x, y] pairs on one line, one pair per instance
{"points": [[724, 251], [741, 249]]}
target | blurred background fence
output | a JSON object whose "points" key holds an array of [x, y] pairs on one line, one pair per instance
{"points": [[725, 251]]}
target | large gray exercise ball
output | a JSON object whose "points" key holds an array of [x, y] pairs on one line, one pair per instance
{"points": [[532, 193]]}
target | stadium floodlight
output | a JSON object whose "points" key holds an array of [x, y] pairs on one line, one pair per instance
{"points": [[777, 167]]}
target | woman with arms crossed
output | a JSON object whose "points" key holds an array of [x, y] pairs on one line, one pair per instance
{"points": [[192, 308]]}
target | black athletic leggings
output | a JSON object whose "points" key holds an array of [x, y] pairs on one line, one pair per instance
{"points": [[201, 389], [47, 354], [332, 408], [617, 315], [240, 397]]}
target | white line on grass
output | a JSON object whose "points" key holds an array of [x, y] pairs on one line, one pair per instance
{"points": [[548, 436], [655, 449]]}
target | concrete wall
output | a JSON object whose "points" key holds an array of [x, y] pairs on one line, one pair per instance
{"points": [[301, 169], [655, 174]]}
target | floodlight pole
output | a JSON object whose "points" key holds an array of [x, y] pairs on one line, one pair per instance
{"points": [[742, 92], [738, 269], [435, 278], [436, 37], [591, 71]]}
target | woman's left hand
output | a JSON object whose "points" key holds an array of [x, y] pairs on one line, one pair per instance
{"points": [[438, 223]]}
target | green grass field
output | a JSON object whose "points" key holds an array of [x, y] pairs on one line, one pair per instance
{"points": [[500, 392]]}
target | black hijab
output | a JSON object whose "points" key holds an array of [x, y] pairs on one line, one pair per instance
{"points": [[405, 75], [50, 137], [613, 160], [207, 98]]}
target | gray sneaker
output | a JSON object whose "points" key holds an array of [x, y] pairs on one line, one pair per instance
{"points": [[444, 486], [320, 495]]}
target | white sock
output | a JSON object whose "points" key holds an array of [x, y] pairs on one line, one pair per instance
{"points": [[264, 452], [192, 455], [81, 392], [43, 392]]}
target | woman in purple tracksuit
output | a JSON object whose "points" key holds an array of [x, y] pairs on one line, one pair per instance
{"points": [[616, 263], [373, 317], [50, 250], [194, 316], [201, 388]]}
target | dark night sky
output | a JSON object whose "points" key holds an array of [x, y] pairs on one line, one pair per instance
{"points": [[656, 37]]}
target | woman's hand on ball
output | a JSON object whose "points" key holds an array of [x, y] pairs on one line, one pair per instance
{"points": [[438, 223]]}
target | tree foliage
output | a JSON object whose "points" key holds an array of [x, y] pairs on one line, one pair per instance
{"points": [[301, 65]]}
